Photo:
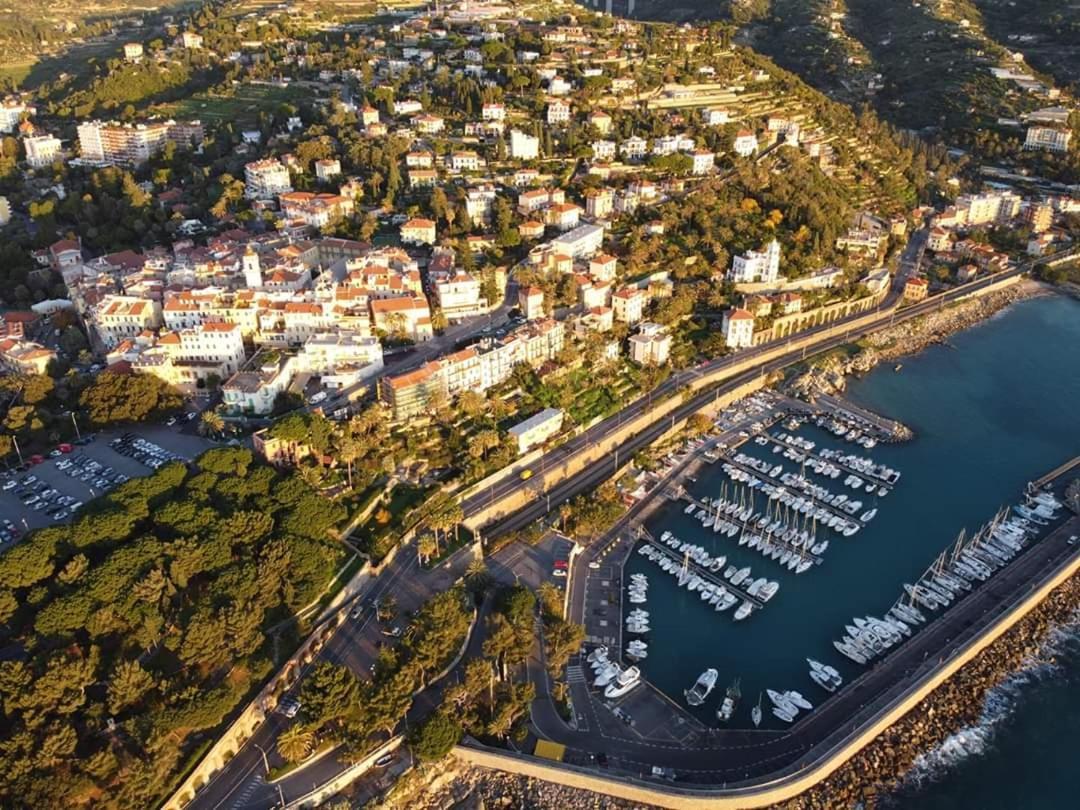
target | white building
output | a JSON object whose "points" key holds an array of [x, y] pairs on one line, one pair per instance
{"points": [[133, 52], [124, 316], [757, 266], [599, 203], [745, 143], [254, 392], [603, 150], [715, 117], [634, 148], [341, 357], [459, 296], [523, 147], [628, 305], [1048, 138], [327, 168], [703, 161], [580, 243], [11, 113], [41, 150], [493, 112], [738, 329], [537, 429], [651, 346], [266, 179], [465, 161], [558, 111]]}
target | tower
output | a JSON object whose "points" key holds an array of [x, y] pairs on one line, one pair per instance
{"points": [[252, 271]]}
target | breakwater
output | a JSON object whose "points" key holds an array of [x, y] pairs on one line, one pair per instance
{"points": [[958, 704]]}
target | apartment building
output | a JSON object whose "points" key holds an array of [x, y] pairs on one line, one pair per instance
{"points": [[523, 147], [266, 179], [315, 210], [340, 358], [746, 143], [737, 328], [412, 394], [599, 203], [418, 232], [704, 160], [538, 199], [113, 143], [628, 305], [189, 358], [12, 111], [41, 150], [327, 169], [458, 296], [19, 356], [651, 346], [409, 317], [579, 243], [123, 316], [531, 303], [757, 266], [558, 111], [467, 161], [1050, 139], [255, 392]]}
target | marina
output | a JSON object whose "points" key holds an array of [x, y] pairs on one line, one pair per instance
{"points": [[916, 512]]}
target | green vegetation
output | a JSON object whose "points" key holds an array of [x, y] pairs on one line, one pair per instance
{"points": [[150, 610], [113, 399]]}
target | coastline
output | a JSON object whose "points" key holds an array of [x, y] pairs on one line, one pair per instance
{"points": [[881, 768]]}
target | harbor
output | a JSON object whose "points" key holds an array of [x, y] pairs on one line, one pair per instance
{"points": [[770, 650]]}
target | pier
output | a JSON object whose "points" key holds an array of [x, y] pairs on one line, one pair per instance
{"points": [[1056, 473], [836, 462], [697, 570], [803, 553], [888, 430]]}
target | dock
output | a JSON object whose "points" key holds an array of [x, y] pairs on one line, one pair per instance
{"points": [[1056, 473], [887, 430], [866, 476], [776, 541], [697, 570]]}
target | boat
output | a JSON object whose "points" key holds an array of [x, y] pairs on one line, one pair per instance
{"points": [[785, 714], [898, 366], [798, 700], [622, 684], [702, 688], [731, 697], [745, 609], [823, 680], [755, 713], [598, 654], [607, 675]]}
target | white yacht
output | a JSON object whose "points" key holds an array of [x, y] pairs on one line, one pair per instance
{"points": [[623, 683], [702, 688]]}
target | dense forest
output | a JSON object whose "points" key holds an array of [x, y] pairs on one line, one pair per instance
{"points": [[143, 624]]}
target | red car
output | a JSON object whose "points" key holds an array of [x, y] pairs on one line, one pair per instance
{"points": [[65, 447]]}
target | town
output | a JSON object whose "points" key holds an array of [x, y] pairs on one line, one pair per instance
{"points": [[339, 351]]}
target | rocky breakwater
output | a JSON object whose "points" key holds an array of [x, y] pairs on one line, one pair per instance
{"points": [[828, 374], [880, 768]]}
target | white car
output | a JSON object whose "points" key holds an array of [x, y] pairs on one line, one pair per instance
{"points": [[9, 485]]}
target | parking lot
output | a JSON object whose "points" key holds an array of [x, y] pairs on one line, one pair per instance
{"points": [[52, 491]]}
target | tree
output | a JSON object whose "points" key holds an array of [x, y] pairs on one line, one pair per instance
{"points": [[436, 738], [295, 743], [211, 423], [118, 398], [129, 683], [329, 692], [426, 547], [562, 639]]}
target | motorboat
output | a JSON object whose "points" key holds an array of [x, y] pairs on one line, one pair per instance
{"points": [[607, 674], [731, 697], [702, 688], [798, 700], [623, 683], [745, 609], [598, 654]]}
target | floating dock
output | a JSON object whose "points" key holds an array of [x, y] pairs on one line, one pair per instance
{"points": [[693, 568]]}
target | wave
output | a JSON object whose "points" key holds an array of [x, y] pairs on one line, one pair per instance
{"points": [[1061, 645]]}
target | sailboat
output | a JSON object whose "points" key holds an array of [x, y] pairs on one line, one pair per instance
{"points": [[755, 713]]}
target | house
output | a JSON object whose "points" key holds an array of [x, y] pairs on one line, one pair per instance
{"points": [[564, 216], [419, 160], [41, 150], [558, 111], [537, 429], [1050, 139], [418, 232], [600, 121], [916, 289], [737, 328], [940, 240], [634, 148], [191, 40], [651, 346], [423, 178], [599, 203], [493, 112], [133, 52], [24, 356], [327, 168], [369, 116], [428, 124], [755, 266], [123, 316], [598, 319], [255, 392], [703, 161], [410, 317], [407, 106], [523, 147], [603, 267], [745, 143], [628, 305], [539, 198], [531, 303], [715, 117], [531, 229], [315, 210], [603, 150], [465, 161]]}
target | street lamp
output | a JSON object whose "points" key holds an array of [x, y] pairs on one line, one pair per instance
{"points": [[266, 764]]}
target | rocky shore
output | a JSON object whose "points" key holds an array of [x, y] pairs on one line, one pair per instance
{"points": [[829, 375], [879, 769]]}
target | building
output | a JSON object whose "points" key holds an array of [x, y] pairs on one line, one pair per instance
{"points": [[11, 113], [315, 210], [600, 121], [266, 179], [651, 346], [745, 143], [537, 429], [603, 267], [564, 216], [523, 147], [255, 392], [123, 316], [998, 207], [493, 112], [916, 289], [940, 240], [24, 356], [603, 150], [190, 39], [191, 358], [531, 303], [465, 162], [41, 150], [1050, 139], [634, 148], [704, 161], [599, 203], [5, 211], [737, 328], [411, 394], [133, 144], [327, 169], [579, 243], [757, 266], [558, 111], [458, 296], [409, 317], [340, 358], [1040, 216], [629, 305], [133, 51], [418, 232]]}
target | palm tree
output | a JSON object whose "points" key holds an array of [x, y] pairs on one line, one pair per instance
{"points": [[477, 576], [295, 743], [426, 547], [211, 423]]}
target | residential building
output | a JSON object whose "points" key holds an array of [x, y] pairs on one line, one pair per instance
{"points": [[133, 51], [998, 207], [603, 267], [628, 305], [41, 150], [418, 232], [704, 160], [458, 296], [757, 266], [255, 392], [601, 121], [599, 203], [465, 161], [1050, 139], [531, 302], [537, 199], [916, 289], [12, 111], [133, 144], [24, 356], [715, 117], [493, 112], [190, 39], [428, 124], [190, 358], [940, 240], [479, 203], [327, 169], [409, 317], [603, 150], [340, 358], [123, 316], [537, 429], [419, 160], [634, 148], [412, 394], [315, 210], [423, 178], [368, 116], [564, 216], [737, 328], [579, 243], [745, 143], [651, 346], [558, 111], [5, 211], [523, 147], [266, 179]]}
